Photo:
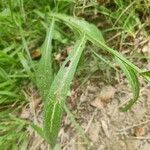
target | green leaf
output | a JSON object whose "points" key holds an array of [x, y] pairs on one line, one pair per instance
{"points": [[146, 75], [55, 100], [25, 64], [80, 25], [133, 81], [38, 130], [3, 75], [93, 34], [44, 74], [5, 59]]}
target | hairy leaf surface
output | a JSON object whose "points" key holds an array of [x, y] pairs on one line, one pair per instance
{"points": [[44, 72], [58, 92]]}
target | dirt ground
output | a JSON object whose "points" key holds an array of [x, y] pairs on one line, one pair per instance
{"points": [[97, 111]]}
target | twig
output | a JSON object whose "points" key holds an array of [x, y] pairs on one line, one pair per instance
{"points": [[130, 127], [140, 138]]}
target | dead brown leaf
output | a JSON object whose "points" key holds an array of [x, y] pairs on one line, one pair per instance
{"points": [[139, 131]]}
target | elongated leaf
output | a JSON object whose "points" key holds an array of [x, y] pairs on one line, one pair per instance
{"points": [[80, 25], [38, 130], [58, 92], [8, 93], [25, 64], [93, 34], [44, 72], [133, 81]]}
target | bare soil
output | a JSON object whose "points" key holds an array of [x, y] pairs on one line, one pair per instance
{"points": [[97, 111]]}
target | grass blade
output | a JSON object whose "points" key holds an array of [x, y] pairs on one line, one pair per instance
{"points": [[133, 80], [58, 92], [44, 72], [25, 64], [38, 130]]}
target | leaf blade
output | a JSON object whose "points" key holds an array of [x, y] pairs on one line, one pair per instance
{"points": [[44, 73], [94, 35], [58, 93], [133, 80]]}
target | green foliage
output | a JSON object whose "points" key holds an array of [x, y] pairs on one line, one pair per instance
{"points": [[133, 80], [44, 72], [23, 23], [57, 94], [146, 75]]}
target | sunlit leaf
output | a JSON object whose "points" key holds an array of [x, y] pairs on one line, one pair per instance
{"points": [[57, 94], [93, 34], [44, 72]]}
